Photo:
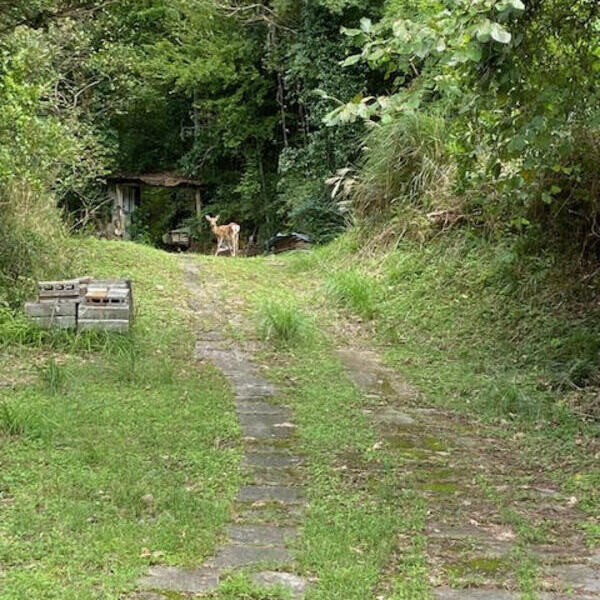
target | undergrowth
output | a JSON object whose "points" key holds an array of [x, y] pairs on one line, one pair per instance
{"points": [[34, 243]]}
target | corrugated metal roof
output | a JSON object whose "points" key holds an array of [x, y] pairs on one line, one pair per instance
{"points": [[165, 179]]}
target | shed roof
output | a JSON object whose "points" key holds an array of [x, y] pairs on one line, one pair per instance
{"points": [[166, 179]]}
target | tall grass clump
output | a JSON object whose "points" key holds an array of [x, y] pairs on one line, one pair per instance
{"points": [[20, 421], [128, 353], [53, 376], [283, 323], [33, 242], [406, 166], [356, 291]]}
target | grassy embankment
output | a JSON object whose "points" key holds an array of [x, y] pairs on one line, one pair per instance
{"points": [[91, 425], [448, 316]]}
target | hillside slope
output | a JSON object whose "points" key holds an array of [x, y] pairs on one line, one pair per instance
{"points": [[434, 405]]}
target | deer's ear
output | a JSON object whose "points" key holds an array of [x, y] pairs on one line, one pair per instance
{"points": [[217, 217], [207, 217]]}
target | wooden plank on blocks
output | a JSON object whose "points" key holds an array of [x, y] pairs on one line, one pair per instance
{"points": [[107, 295], [119, 312], [50, 309], [55, 322], [113, 325]]}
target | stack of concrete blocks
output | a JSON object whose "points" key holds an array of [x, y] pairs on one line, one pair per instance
{"points": [[83, 304], [57, 305], [107, 305]]}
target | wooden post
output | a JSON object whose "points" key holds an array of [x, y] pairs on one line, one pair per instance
{"points": [[121, 213], [198, 203]]}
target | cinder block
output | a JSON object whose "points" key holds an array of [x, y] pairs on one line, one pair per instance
{"points": [[55, 322], [72, 300], [50, 309], [59, 289], [116, 283], [114, 325], [93, 312]]}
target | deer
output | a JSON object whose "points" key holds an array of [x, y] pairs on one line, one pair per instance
{"points": [[225, 233]]}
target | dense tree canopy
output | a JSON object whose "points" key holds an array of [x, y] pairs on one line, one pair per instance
{"points": [[501, 95]]}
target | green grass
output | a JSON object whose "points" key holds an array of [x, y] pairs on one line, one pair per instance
{"points": [[108, 420], [53, 376], [477, 326], [21, 421], [283, 323], [351, 526], [111, 419], [354, 290], [488, 330], [240, 587]]}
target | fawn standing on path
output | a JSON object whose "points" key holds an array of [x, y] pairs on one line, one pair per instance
{"points": [[229, 233]]}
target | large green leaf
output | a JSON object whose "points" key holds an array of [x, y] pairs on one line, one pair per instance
{"points": [[376, 54], [351, 60], [483, 31], [400, 31], [515, 6], [351, 32], [366, 24], [500, 34]]}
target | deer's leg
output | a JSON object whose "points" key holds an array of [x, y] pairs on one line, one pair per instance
{"points": [[218, 246]]}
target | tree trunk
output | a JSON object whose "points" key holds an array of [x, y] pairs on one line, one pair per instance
{"points": [[281, 101]]}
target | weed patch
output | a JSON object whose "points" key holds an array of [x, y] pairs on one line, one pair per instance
{"points": [[355, 291], [283, 323], [239, 586], [17, 420]]}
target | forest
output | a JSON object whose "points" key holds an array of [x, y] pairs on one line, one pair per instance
{"points": [[430, 368], [304, 115]]}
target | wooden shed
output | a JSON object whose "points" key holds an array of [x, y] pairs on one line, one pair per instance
{"points": [[125, 193]]}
